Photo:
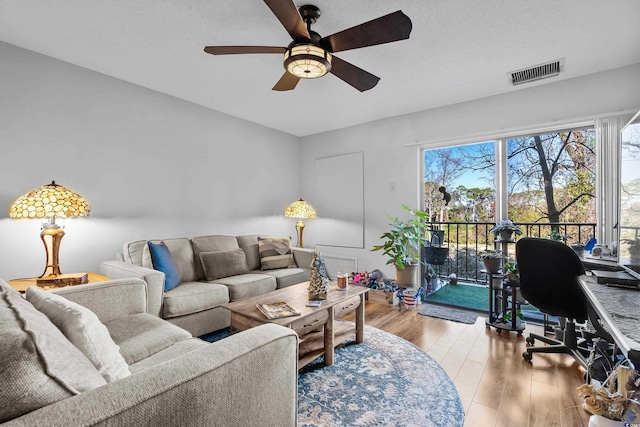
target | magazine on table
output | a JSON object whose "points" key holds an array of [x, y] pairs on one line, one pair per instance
{"points": [[276, 310]]}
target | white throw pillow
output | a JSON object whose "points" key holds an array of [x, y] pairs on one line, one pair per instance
{"points": [[82, 327]]}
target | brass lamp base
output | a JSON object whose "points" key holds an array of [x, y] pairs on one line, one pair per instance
{"points": [[51, 236], [300, 228]]}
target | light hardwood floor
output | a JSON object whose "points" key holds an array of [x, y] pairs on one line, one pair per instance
{"points": [[497, 386]]}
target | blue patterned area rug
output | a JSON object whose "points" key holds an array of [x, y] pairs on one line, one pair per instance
{"points": [[386, 381]]}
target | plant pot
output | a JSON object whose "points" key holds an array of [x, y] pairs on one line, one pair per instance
{"points": [[437, 237], [410, 299], [505, 236], [492, 265], [435, 255], [407, 277]]}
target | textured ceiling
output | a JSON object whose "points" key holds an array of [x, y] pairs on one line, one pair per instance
{"points": [[459, 50]]}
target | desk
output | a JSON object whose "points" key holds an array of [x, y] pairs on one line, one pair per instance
{"points": [[605, 262], [21, 285], [619, 312]]}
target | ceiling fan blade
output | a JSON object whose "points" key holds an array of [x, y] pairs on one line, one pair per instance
{"points": [[290, 18], [389, 28], [356, 77], [287, 82], [232, 50]]}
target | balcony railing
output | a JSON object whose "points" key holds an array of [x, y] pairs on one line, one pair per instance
{"points": [[466, 239]]}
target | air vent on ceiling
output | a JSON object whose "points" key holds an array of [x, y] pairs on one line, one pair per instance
{"points": [[537, 72]]}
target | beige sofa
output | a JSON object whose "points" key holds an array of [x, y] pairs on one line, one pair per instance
{"points": [[249, 378], [196, 304]]}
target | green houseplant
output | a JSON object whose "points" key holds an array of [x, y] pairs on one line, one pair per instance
{"points": [[555, 235], [511, 272], [504, 230], [403, 242], [491, 259]]}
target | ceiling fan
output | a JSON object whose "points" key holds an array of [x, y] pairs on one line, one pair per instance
{"points": [[311, 56]]}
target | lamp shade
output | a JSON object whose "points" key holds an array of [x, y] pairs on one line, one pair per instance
{"points": [[307, 61], [49, 201], [300, 209]]}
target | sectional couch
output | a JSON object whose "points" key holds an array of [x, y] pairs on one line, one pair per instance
{"points": [[93, 355], [213, 270]]}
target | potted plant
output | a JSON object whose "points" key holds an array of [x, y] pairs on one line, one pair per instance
{"points": [[504, 230], [491, 259], [402, 245], [511, 272], [555, 235], [435, 253]]}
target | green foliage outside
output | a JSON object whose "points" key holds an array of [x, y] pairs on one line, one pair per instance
{"points": [[551, 180]]}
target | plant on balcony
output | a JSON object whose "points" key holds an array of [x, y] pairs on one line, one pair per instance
{"points": [[555, 235], [403, 241], [490, 254], [504, 229], [491, 259], [506, 225], [511, 272]]}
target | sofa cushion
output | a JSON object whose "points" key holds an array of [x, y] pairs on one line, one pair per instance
{"points": [[39, 366], [82, 327], [137, 253], [249, 244], [174, 351], [275, 252], [193, 297], [212, 243], [289, 276], [142, 335], [248, 285], [223, 264], [162, 261]]}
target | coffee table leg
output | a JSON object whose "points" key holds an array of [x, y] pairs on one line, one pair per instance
{"points": [[328, 339], [360, 321]]}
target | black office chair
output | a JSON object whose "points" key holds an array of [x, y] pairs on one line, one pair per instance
{"points": [[549, 272]]}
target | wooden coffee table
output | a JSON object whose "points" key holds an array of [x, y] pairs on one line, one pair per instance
{"points": [[315, 326]]}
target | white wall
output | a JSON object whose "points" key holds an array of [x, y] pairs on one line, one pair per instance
{"points": [[150, 165], [392, 170], [141, 157]]}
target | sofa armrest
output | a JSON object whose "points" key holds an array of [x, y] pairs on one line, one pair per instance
{"points": [[109, 300], [302, 256], [114, 269], [249, 378]]}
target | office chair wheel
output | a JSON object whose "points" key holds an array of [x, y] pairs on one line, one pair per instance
{"points": [[527, 356], [530, 341], [519, 333], [499, 331]]}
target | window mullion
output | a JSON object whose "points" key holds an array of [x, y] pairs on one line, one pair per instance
{"points": [[502, 209]]}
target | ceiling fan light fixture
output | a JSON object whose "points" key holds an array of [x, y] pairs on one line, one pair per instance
{"points": [[307, 61]]}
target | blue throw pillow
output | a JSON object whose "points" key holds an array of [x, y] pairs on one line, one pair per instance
{"points": [[162, 261]]}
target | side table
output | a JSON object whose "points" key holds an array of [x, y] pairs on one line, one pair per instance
{"points": [[21, 285]]}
